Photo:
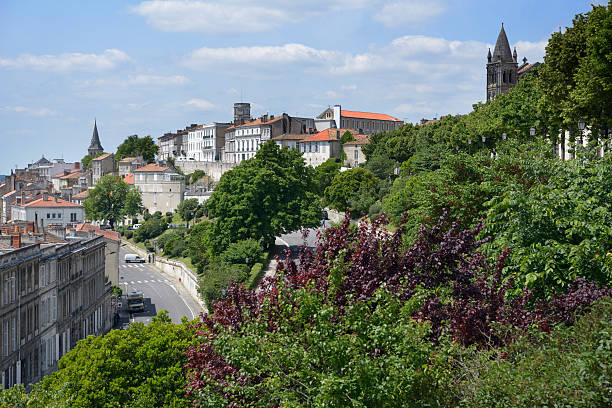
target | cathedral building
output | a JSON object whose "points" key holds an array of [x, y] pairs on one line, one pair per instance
{"points": [[503, 71]]}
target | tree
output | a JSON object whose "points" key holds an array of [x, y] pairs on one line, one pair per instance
{"points": [[86, 160], [134, 146], [264, 197], [324, 174], [112, 200], [142, 366], [239, 252], [188, 208], [151, 228], [347, 184]]}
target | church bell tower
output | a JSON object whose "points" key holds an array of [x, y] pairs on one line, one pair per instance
{"points": [[502, 67]]}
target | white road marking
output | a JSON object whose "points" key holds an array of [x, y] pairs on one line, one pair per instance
{"points": [[139, 282]]}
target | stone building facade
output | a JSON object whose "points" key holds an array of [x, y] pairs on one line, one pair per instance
{"points": [[162, 188], [102, 165], [51, 296], [361, 122]]}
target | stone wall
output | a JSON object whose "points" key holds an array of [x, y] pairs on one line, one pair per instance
{"points": [[212, 169], [175, 269]]}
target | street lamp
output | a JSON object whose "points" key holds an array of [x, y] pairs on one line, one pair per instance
{"points": [[581, 126], [470, 146], [484, 139], [532, 132], [504, 136]]}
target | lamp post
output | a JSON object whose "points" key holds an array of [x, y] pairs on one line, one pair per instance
{"points": [[504, 136], [470, 146], [581, 126], [532, 132]]}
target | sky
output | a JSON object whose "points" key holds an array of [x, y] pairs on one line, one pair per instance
{"points": [[151, 67]]}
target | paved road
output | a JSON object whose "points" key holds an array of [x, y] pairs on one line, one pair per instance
{"points": [[160, 293]]}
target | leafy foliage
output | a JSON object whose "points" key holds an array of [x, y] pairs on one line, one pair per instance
{"points": [[188, 209], [324, 174], [350, 184], [86, 160], [135, 146], [138, 367], [151, 228], [358, 320], [112, 200], [263, 197], [238, 252]]}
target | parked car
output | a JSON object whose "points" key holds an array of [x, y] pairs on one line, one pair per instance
{"points": [[133, 258], [136, 226]]}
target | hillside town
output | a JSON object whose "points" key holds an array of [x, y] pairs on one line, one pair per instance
{"points": [[351, 258]]}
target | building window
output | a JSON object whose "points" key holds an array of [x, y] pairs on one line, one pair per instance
{"points": [[356, 154], [48, 215]]}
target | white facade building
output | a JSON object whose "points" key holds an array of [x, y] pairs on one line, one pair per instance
{"points": [[49, 211], [205, 142]]}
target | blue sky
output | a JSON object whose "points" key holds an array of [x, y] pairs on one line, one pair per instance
{"points": [[148, 67]]}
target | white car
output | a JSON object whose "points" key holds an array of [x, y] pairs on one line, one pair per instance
{"points": [[133, 258]]}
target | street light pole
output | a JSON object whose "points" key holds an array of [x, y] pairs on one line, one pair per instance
{"points": [[581, 126]]}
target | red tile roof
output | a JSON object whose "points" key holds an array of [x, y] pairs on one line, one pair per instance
{"points": [[81, 196], [50, 202], [129, 178], [328, 134], [113, 235], [152, 167], [368, 115]]}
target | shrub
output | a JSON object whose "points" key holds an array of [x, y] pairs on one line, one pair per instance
{"points": [[151, 228], [236, 253], [128, 234], [571, 367], [217, 278]]}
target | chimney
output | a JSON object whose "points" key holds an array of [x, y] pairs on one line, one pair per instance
{"points": [[338, 134], [55, 198], [16, 241], [45, 196], [271, 117]]}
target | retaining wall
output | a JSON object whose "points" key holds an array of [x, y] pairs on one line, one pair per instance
{"points": [[212, 169], [176, 269]]}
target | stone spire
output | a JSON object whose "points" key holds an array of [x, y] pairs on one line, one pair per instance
{"points": [[489, 56], [514, 55], [95, 146], [502, 50]]}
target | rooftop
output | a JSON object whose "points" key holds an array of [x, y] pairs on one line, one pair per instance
{"points": [[368, 115], [102, 157], [290, 136], [81, 196], [110, 234], [47, 201], [328, 134], [152, 167], [259, 121], [129, 178]]}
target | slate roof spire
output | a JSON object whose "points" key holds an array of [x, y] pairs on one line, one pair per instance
{"points": [[95, 146], [502, 50]]}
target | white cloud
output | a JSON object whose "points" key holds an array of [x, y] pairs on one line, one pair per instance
{"points": [[28, 111], [198, 104], [210, 17], [247, 58], [352, 87], [534, 51], [109, 59], [136, 80], [409, 12]]}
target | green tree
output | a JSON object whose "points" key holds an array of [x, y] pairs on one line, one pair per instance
{"points": [[239, 252], [142, 366], [188, 209], [264, 197], [112, 200], [324, 174], [151, 228], [86, 160], [349, 184], [135, 146], [197, 245]]}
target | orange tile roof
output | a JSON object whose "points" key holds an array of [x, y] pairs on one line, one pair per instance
{"points": [[74, 174], [50, 202], [129, 159], [368, 115], [259, 122], [152, 167], [129, 178], [9, 193], [327, 134], [82, 195], [113, 235], [289, 136], [102, 157]]}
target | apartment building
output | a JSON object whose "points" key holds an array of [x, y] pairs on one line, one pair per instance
{"points": [[354, 155], [51, 296], [206, 142], [48, 210], [162, 189], [102, 165], [322, 146], [127, 165], [362, 122]]}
